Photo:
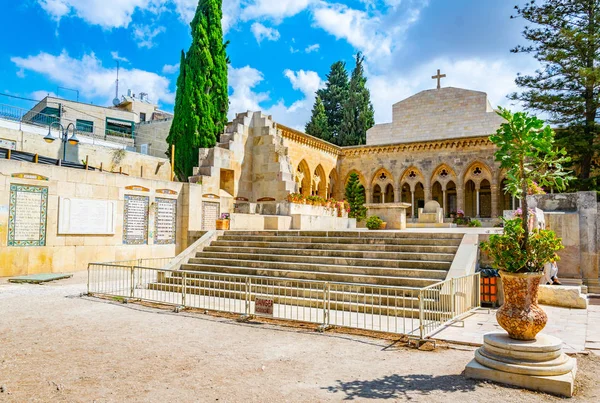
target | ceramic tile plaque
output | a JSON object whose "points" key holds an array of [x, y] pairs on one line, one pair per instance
{"points": [[86, 217], [165, 221], [27, 215], [135, 220]]}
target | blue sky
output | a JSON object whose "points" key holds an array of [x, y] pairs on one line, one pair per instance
{"points": [[280, 50]]}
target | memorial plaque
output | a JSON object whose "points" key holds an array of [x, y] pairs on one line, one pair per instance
{"points": [[135, 220], [165, 221], [27, 214], [86, 217]]}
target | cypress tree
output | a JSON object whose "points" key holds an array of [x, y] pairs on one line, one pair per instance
{"points": [[201, 101], [333, 96], [318, 125], [358, 113], [355, 195]]}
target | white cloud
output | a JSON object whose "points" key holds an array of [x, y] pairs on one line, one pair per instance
{"points": [[115, 56], [312, 48], [106, 13], [170, 68], [360, 29], [243, 81], [92, 79], [41, 94], [275, 10], [261, 32], [144, 35], [293, 50]]}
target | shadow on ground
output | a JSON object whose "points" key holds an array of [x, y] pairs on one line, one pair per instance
{"points": [[398, 386]]}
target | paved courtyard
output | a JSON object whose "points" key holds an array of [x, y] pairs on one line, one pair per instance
{"points": [[58, 346]]}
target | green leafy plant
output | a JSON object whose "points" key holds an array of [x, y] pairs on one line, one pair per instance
{"points": [[374, 222], [507, 253], [474, 223], [527, 152], [355, 195]]}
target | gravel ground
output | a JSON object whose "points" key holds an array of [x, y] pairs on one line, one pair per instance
{"points": [[57, 346]]}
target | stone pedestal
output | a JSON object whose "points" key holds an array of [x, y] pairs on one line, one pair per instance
{"points": [[394, 214], [432, 213], [539, 364]]}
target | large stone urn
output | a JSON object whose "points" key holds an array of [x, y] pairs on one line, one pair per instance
{"points": [[520, 315]]}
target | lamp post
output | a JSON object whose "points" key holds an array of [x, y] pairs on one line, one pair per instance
{"points": [[64, 136]]}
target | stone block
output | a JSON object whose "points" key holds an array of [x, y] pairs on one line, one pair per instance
{"points": [[561, 385], [562, 295]]}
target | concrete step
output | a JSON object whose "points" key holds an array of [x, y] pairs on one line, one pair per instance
{"points": [[392, 277], [356, 254], [337, 247], [204, 257], [350, 234], [343, 240]]}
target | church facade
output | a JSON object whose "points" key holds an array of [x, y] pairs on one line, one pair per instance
{"points": [[436, 148]]}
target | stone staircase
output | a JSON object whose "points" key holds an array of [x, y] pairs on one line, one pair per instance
{"points": [[357, 261]]}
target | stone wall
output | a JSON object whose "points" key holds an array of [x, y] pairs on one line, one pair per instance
{"points": [[65, 253], [154, 134], [575, 217], [437, 114], [31, 139]]}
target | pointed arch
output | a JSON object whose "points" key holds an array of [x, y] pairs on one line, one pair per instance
{"points": [[333, 183], [319, 182], [361, 177], [476, 171], [412, 175], [382, 176], [443, 174], [303, 178]]}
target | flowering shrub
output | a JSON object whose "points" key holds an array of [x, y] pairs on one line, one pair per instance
{"points": [[297, 198], [225, 216]]}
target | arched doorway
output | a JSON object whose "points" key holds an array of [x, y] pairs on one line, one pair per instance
{"points": [[389, 194], [303, 178], [505, 199], [333, 179], [451, 199], [485, 199], [437, 193], [419, 198], [405, 197], [470, 201], [319, 182], [377, 195]]}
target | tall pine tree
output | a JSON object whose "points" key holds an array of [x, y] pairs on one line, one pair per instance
{"points": [[202, 100], [358, 113], [318, 125], [333, 96], [565, 38]]}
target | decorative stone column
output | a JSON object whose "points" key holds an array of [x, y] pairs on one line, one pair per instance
{"points": [[368, 195], [477, 202], [412, 201], [460, 197], [427, 194], [397, 195], [495, 196], [444, 202]]}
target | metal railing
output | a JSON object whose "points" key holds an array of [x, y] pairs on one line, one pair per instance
{"points": [[410, 311]]}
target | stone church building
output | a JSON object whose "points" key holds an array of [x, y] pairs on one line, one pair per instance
{"points": [[435, 148]]}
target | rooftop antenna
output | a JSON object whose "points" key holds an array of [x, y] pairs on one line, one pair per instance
{"points": [[68, 89], [116, 100]]}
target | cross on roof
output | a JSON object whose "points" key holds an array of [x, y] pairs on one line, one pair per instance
{"points": [[438, 77]]}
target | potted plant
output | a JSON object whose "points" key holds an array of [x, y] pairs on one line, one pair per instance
{"points": [[527, 152], [223, 222]]}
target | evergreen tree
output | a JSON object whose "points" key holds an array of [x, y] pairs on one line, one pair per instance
{"points": [[355, 195], [318, 125], [565, 39], [201, 101], [333, 96], [358, 113]]}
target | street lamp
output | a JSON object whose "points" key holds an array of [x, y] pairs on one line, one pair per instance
{"points": [[64, 136]]}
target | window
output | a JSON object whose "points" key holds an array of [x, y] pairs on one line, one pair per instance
{"points": [[84, 126], [119, 127], [46, 116], [142, 117]]}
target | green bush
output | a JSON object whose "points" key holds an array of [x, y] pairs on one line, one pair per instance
{"points": [[374, 222], [509, 252], [474, 223]]}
